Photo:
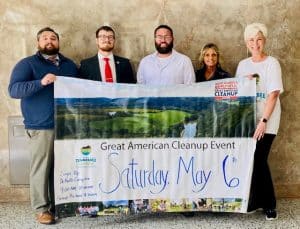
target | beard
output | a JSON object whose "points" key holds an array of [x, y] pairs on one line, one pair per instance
{"points": [[106, 47], [47, 51], [164, 50]]}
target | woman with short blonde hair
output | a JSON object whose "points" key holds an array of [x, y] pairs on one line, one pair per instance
{"points": [[269, 86]]}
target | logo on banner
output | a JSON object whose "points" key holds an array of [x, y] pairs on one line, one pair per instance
{"points": [[226, 90], [85, 159], [86, 150]]}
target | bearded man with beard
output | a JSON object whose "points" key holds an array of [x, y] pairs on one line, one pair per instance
{"points": [[166, 66], [105, 66], [32, 81]]}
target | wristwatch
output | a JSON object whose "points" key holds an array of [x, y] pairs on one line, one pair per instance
{"points": [[264, 120]]}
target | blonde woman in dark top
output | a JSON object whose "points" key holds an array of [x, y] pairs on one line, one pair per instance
{"points": [[210, 67]]}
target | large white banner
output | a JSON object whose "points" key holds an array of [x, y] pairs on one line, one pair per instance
{"points": [[132, 148]]}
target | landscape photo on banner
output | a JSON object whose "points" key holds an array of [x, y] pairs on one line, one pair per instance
{"points": [[126, 149]]}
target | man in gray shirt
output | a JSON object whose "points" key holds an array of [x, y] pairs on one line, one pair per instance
{"points": [[166, 66]]}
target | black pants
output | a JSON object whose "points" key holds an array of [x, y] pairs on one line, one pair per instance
{"points": [[262, 191]]}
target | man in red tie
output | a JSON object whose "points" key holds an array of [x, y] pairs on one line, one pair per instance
{"points": [[105, 66]]}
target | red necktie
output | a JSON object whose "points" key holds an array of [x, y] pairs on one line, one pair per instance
{"points": [[107, 69]]}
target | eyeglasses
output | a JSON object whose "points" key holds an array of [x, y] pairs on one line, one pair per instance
{"points": [[166, 37], [104, 37]]}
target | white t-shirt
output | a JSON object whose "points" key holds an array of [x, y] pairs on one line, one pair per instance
{"points": [[270, 80], [175, 69]]}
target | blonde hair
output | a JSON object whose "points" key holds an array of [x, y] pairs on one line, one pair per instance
{"points": [[252, 29], [203, 51]]}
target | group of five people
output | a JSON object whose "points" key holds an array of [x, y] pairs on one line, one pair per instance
{"points": [[32, 81]]}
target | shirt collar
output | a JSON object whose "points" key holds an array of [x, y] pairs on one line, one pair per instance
{"points": [[48, 56], [110, 56]]}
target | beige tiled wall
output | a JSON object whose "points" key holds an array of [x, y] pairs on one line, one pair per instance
{"points": [[194, 22]]}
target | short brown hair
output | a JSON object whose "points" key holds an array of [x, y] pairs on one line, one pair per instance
{"points": [[46, 29], [105, 28], [163, 27]]}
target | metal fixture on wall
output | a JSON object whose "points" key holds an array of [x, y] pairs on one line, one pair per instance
{"points": [[19, 155]]}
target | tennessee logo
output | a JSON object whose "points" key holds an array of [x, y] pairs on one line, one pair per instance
{"points": [[86, 150]]}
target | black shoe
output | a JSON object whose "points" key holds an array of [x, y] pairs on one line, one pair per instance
{"points": [[188, 214], [271, 214]]}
